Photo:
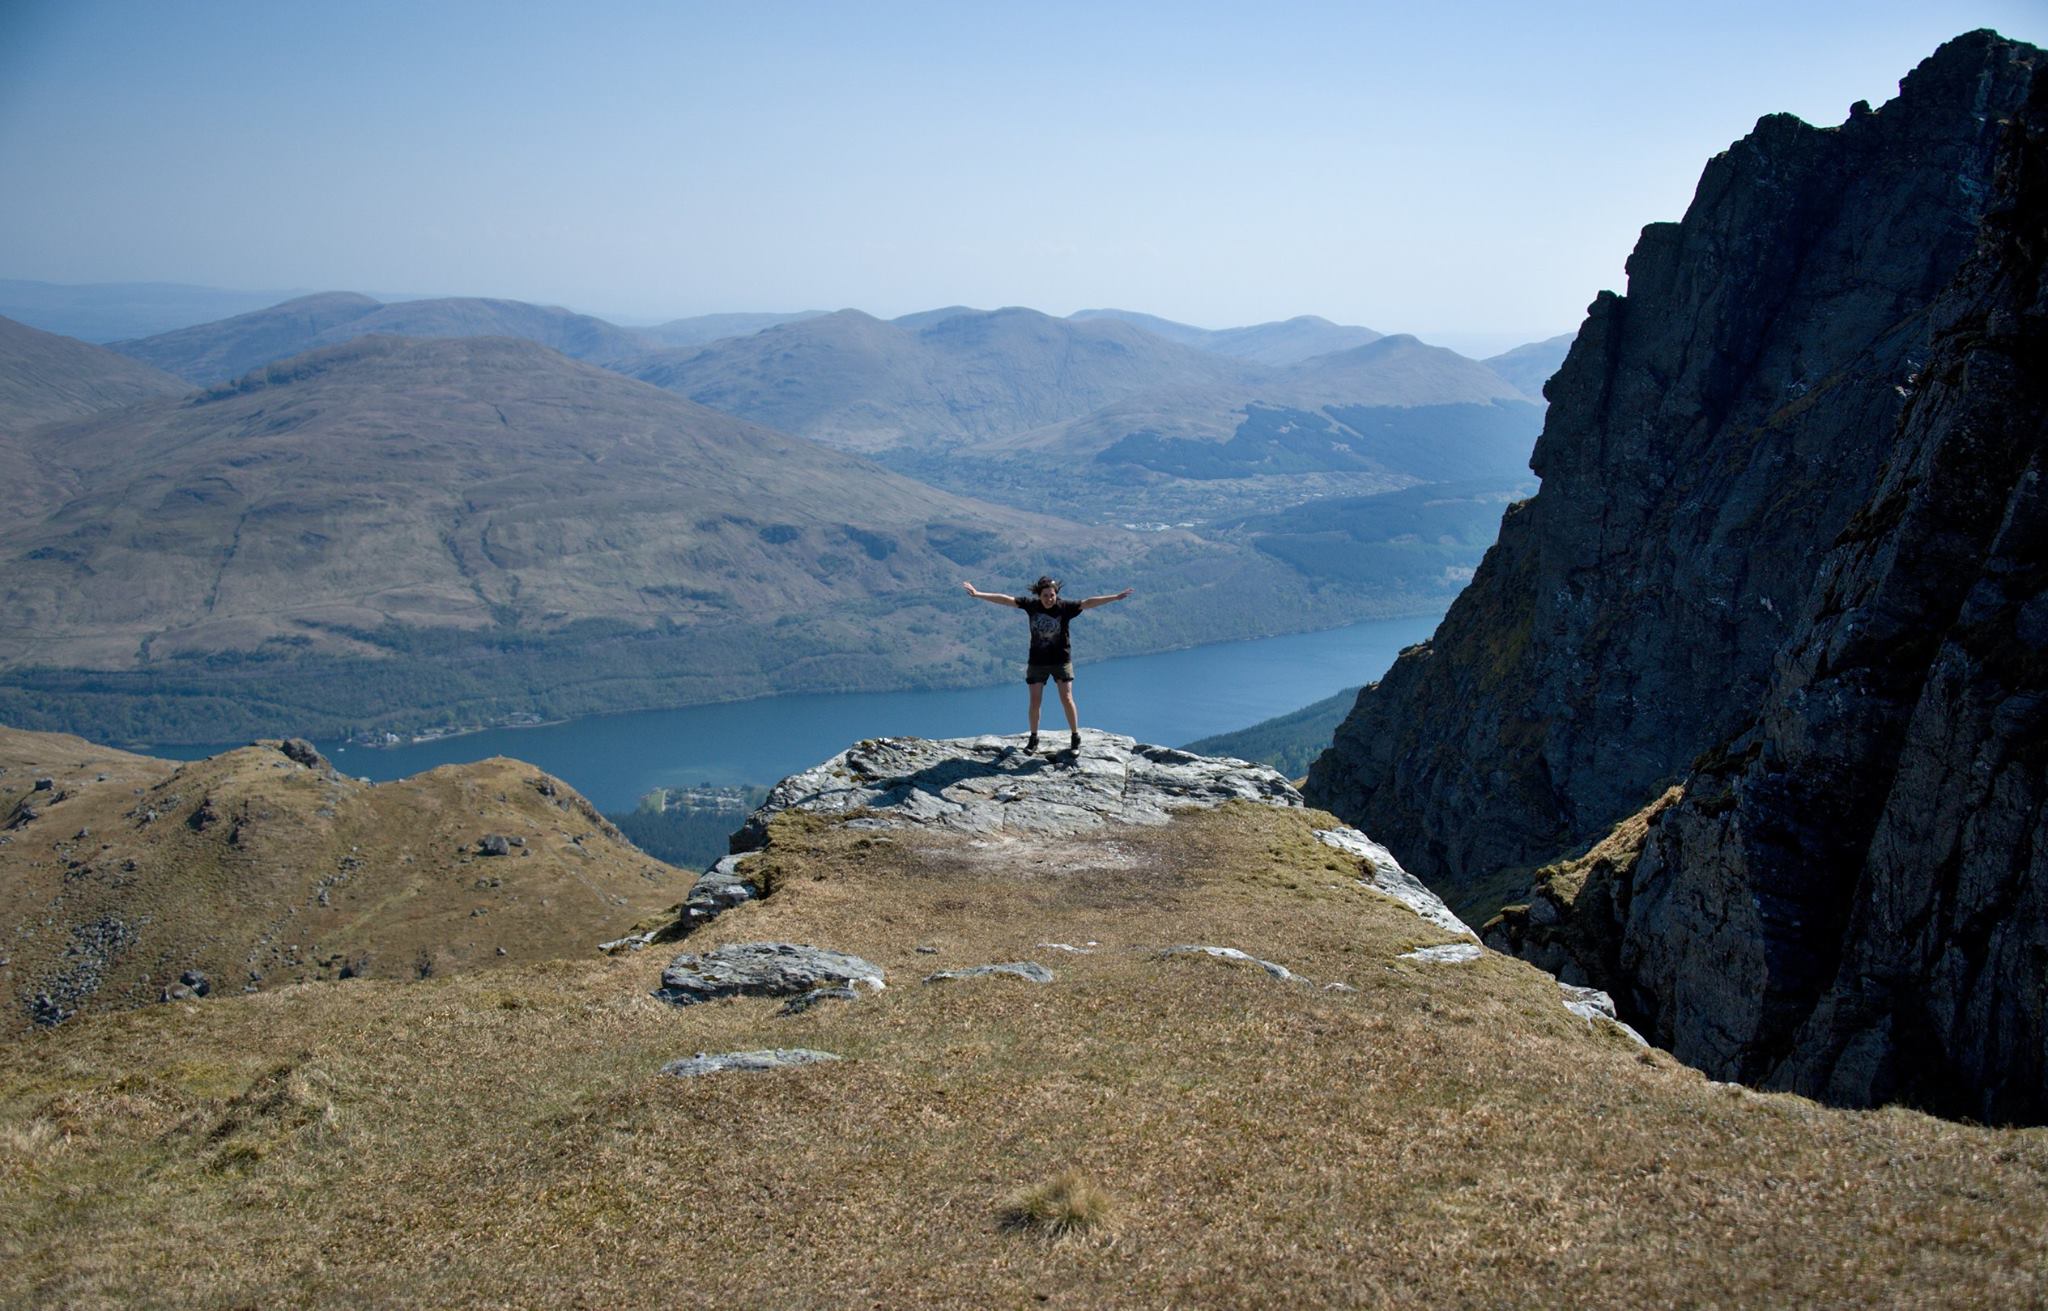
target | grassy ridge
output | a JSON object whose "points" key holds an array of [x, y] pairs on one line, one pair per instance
{"points": [[1444, 1135]]}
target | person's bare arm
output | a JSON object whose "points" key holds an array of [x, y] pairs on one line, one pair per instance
{"points": [[996, 597], [1094, 601]]}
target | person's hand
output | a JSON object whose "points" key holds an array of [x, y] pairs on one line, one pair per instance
{"points": [[970, 589], [1121, 595]]}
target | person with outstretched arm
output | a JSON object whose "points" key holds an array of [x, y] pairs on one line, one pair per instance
{"points": [[1052, 655]]}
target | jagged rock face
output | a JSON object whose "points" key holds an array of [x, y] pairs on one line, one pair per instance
{"points": [[1708, 437], [1852, 902], [1846, 897]]}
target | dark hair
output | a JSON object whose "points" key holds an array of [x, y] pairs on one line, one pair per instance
{"points": [[1045, 581]]}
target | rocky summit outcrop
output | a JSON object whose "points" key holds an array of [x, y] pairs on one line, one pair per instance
{"points": [[1790, 555], [985, 784], [991, 790]]}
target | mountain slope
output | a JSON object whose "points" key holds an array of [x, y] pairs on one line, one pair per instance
{"points": [[213, 352], [1395, 407], [45, 378], [443, 482], [1288, 341], [855, 381], [703, 329], [1528, 367], [481, 522], [1786, 545], [264, 867]]}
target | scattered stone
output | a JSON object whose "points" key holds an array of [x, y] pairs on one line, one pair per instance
{"points": [[24, 814], [927, 951], [1389, 879], [1280, 972], [204, 817], [775, 1058], [797, 1005], [762, 969], [45, 784], [1087, 950], [197, 981], [81, 835], [300, 750], [1338, 987], [503, 952], [719, 889], [1595, 1006], [494, 844], [1450, 953], [1029, 970], [94, 950]]}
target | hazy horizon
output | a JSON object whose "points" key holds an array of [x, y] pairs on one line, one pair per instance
{"points": [[1473, 177]]}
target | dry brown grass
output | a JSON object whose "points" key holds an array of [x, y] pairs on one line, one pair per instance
{"points": [[296, 876], [1445, 1132], [1069, 1203]]}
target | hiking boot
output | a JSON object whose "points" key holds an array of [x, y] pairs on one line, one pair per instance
{"points": [[1075, 745], [1032, 743]]}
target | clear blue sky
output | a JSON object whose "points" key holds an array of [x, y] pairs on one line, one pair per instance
{"points": [[1470, 172]]}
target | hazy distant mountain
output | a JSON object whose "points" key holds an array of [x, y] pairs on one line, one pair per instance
{"points": [[1289, 341], [440, 482], [114, 311], [231, 347], [397, 525], [1396, 407], [704, 328], [926, 318], [1529, 367], [45, 378], [949, 376]]}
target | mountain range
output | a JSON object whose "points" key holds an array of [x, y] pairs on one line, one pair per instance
{"points": [[429, 511], [486, 526]]}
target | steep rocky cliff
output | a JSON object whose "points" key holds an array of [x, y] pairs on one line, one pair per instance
{"points": [[1789, 543]]}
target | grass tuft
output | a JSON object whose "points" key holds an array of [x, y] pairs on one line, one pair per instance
{"points": [[1067, 1203]]}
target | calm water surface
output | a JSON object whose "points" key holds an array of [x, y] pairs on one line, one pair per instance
{"points": [[1171, 698]]}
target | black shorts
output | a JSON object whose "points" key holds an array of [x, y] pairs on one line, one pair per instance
{"points": [[1035, 673]]}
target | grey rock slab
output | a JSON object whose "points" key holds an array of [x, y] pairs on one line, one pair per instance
{"points": [[986, 784], [1595, 1006], [769, 1058], [762, 969], [1280, 972], [1023, 969], [1385, 876], [1450, 953], [720, 888]]}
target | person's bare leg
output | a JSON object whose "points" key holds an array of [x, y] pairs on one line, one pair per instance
{"points": [[1037, 698], [1067, 704]]}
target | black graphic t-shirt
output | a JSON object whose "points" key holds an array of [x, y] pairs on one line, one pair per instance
{"points": [[1049, 644]]}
